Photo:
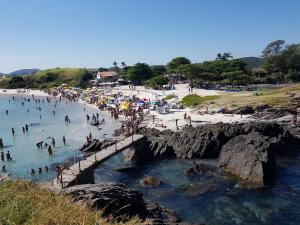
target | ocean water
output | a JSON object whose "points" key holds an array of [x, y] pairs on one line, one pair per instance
{"points": [[22, 146], [213, 198]]}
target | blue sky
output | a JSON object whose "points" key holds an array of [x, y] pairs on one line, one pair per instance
{"points": [[94, 33]]}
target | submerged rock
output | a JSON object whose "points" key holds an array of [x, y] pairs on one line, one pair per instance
{"points": [[150, 181]]}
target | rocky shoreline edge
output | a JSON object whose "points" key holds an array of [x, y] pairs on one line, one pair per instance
{"points": [[248, 151]]}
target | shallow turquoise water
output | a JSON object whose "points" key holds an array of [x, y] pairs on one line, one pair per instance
{"points": [[213, 198], [22, 146]]}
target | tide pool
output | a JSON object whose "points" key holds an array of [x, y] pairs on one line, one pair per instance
{"points": [[22, 146], [213, 198]]}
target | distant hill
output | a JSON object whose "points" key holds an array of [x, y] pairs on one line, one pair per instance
{"points": [[23, 72], [252, 62]]}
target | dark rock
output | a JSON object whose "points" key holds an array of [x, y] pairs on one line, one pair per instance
{"points": [[262, 107], [244, 110], [206, 141], [199, 169], [117, 201], [251, 157], [264, 141]]}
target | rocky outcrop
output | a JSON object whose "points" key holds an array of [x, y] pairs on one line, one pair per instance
{"points": [[253, 161], [206, 141], [120, 202], [251, 157]]}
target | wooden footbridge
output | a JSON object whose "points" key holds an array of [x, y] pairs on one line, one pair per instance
{"points": [[82, 171]]}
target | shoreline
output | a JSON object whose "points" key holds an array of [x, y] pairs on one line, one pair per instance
{"points": [[37, 93]]}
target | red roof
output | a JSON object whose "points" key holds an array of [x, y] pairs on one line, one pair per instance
{"points": [[107, 74]]}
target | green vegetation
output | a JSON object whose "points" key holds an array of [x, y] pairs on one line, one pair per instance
{"points": [[138, 73], [24, 203], [158, 70], [49, 78], [251, 62], [158, 82], [280, 63], [171, 96], [175, 63], [196, 100]]}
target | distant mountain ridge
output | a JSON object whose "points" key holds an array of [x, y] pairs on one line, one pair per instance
{"points": [[252, 62], [23, 72]]}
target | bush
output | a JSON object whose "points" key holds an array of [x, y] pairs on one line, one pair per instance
{"points": [[195, 100], [158, 82]]}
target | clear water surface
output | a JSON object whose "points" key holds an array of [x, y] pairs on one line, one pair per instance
{"points": [[22, 146]]}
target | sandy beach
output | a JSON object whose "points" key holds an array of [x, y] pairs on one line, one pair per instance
{"points": [[169, 120]]}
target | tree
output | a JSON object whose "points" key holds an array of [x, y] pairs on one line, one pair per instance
{"points": [[158, 81], [115, 65], [158, 70], [123, 64], [273, 49], [138, 73], [176, 62], [102, 69], [85, 78], [225, 56]]}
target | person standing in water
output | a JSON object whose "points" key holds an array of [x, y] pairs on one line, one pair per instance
{"points": [[13, 131], [64, 140], [26, 127], [2, 156], [8, 157], [6, 112], [53, 142], [50, 151], [23, 128]]}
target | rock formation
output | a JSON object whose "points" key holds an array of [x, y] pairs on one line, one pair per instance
{"points": [[252, 145], [120, 202]]}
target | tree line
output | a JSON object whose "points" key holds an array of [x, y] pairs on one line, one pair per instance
{"points": [[280, 63]]}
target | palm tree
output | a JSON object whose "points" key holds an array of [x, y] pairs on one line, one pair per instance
{"points": [[123, 64], [226, 56], [115, 65], [219, 56]]}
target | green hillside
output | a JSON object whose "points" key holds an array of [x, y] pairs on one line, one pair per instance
{"points": [[252, 62], [49, 78]]}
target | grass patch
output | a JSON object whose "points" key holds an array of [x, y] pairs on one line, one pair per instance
{"points": [[195, 100], [24, 203], [171, 96]]}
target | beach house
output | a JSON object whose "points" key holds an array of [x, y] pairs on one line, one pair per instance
{"points": [[107, 76]]}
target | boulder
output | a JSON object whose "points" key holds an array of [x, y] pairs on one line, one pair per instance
{"points": [[251, 157], [244, 110], [117, 201]]}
